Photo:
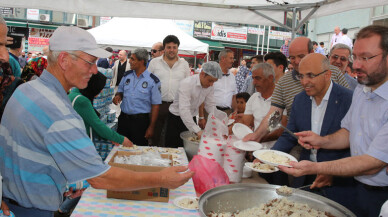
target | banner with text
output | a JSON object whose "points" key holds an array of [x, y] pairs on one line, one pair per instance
{"points": [[202, 29], [279, 35], [229, 33], [256, 31]]}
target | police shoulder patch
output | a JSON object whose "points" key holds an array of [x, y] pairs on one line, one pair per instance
{"points": [[155, 78]]}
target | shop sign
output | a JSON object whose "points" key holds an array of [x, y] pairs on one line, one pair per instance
{"points": [[279, 35], [32, 14], [37, 42], [6, 11], [41, 33], [256, 31], [185, 25], [104, 20], [229, 33], [202, 29]]}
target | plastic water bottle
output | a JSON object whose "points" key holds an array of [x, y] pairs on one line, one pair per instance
{"points": [[2, 214], [78, 185]]}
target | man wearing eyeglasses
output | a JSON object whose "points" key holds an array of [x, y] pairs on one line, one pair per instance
{"points": [[157, 50], [320, 108], [44, 142], [364, 128], [340, 56], [170, 69]]}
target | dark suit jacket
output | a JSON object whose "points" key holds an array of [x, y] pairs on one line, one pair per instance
{"points": [[300, 120], [103, 62]]}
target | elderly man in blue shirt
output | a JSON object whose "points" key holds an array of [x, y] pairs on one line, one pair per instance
{"points": [[139, 92], [364, 128]]}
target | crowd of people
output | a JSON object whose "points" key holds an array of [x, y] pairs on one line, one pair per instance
{"points": [[340, 121]]}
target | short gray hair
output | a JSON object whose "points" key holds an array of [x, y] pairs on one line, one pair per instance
{"points": [[325, 64], [141, 54], [52, 56], [341, 46], [223, 53], [267, 69]]}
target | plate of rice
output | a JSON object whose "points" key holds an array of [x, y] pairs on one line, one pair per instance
{"points": [[186, 202], [274, 158], [261, 167]]}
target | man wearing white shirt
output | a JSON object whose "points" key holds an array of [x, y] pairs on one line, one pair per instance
{"points": [[225, 88], [259, 103], [193, 91], [345, 38], [336, 37], [170, 69]]}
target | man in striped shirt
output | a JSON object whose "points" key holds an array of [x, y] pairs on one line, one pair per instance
{"points": [[43, 141], [289, 86]]}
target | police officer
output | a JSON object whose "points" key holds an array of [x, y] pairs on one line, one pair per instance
{"points": [[139, 92]]}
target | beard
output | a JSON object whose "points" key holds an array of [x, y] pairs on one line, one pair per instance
{"points": [[375, 77]]}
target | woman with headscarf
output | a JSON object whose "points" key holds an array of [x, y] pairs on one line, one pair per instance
{"points": [[82, 101], [33, 69]]}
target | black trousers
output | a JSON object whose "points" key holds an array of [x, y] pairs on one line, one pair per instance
{"points": [[134, 127], [175, 127]]}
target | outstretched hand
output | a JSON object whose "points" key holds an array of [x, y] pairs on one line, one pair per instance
{"points": [[309, 140], [174, 177], [301, 168]]}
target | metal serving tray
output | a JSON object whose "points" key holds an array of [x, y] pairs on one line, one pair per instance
{"points": [[230, 198]]}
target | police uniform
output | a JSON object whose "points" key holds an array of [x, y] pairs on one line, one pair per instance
{"points": [[139, 94]]}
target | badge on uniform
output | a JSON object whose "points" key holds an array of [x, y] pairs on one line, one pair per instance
{"points": [[127, 81], [145, 84]]}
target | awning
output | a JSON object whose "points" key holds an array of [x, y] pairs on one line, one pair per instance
{"points": [[17, 24], [214, 45], [42, 26], [247, 46]]}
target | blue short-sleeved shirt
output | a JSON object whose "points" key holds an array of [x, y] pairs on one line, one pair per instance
{"points": [[367, 123], [139, 93], [43, 145]]}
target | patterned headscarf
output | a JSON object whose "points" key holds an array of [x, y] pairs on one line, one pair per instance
{"points": [[33, 67]]}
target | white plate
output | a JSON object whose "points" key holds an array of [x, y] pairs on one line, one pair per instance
{"points": [[247, 146], [259, 152], [249, 165], [176, 201], [241, 130], [231, 121]]}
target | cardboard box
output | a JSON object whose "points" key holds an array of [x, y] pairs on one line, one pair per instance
{"points": [[150, 194]]}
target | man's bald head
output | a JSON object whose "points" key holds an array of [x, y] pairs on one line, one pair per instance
{"points": [[123, 55], [157, 50], [337, 30], [298, 49], [315, 74]]}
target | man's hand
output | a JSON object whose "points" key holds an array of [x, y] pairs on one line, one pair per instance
{"points": [[127, 142], [5, 208], [149, 133], [172, 177], [251, 137], [199, 134], [74, 194], [117, 99], [322, 181], [309, 140], [239, 118], [202, 123], [301, 168]]}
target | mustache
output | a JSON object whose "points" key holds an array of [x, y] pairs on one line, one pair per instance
{"points": [[360, 71]]}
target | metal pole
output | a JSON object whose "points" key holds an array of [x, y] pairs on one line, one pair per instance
{"points": [[293, 23], [258, 41], [262, 43], [195, 60], [269, 27]]}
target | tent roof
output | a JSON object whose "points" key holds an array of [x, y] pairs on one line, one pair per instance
{"points": [[233, 11], [129, 33]]}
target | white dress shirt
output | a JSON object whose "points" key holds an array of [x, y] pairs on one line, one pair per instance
{"points": [[317, 115], [335, 39], [169, 77], [190, 96], [258, 106], [346, 40], [224, 89]]}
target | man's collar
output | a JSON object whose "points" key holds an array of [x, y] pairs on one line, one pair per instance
{"points": [[381, 91]]}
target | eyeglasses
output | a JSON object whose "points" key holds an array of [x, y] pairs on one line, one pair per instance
{"points": [[342, 58], [309, 75], [91, 63], [154, 51], [364, 59]]}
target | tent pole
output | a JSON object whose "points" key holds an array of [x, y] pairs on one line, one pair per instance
{"points": [[258, 41], [262, 43], [271, 19], [269, 29], [293, 29], [307, 17], [195, 60]]}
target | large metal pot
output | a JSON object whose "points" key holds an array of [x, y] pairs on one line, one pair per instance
{"points": [[230, 198], [191, 148]]}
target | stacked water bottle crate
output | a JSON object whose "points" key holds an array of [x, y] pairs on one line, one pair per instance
{"points": [[101, 104]]}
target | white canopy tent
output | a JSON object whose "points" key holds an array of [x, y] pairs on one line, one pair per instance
{"points": [[258, 12], [129, 33]]}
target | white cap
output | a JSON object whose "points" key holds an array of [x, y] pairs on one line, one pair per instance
{"points": [[69, 38], [213, 69]]}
